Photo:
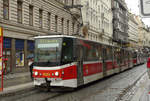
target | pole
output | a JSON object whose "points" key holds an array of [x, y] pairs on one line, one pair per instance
{"points": [[1, 56]]}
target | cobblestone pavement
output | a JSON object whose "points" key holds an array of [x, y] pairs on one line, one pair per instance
{"points": [[113, 88], [139, 92]]}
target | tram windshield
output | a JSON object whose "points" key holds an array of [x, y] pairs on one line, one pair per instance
{"points": [[48, 51], [53, 51]]}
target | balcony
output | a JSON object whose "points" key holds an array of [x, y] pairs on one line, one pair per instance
{"points": [[120, 37], [74, 9], [76, 12]]}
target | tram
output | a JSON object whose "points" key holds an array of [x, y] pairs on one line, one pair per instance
{"points": [[68, 61]]}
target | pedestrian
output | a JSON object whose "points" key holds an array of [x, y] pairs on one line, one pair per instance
{"points": [[148, 67], [30, 64]]}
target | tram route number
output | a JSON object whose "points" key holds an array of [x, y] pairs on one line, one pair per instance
{"points": [[46, 74]]}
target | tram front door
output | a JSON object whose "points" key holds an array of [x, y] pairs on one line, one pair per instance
{"points": [[80, 80]]}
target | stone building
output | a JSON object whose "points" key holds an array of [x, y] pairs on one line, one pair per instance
{"points": [[141, 32], [133, 32], [97, 19], [143, 35], [120, 22], [24, 19]]}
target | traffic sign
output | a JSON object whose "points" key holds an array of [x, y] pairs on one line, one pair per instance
{"points": [[145, 8]]}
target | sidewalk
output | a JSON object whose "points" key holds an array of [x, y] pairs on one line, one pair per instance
{"points": [[143, 91], [140, 91], [16, 82]]}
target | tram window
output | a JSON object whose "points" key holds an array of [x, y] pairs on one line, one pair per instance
{"points": [[67, 51], [92, 54], [109, 53], [95, 53], [122, 56], [100, 52]]}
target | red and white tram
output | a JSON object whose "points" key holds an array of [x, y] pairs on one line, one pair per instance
{"points": [[67, 61]]}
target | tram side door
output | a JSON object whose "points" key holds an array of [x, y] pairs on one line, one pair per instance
{"points": [[80, 80], [104, 62]]}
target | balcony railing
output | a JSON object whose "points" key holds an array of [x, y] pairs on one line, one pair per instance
{"points": [[75, 11], [120, 37]]}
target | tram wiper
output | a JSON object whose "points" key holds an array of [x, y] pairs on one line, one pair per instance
{"points": [[48, 62]]}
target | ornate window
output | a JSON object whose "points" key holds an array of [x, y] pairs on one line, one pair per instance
{"points": [[30, 15], [56, 18], [19, 11], [6, 9], [49, 20], [40, 18]]}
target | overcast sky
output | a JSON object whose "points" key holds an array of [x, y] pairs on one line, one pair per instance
{"points": [[133, 6]]}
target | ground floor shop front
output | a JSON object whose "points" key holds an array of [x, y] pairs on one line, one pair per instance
{"points": [[15, 52]]}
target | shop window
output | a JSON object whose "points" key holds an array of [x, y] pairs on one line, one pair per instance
{"points": [[30, 47], [7, 54], [19, 52], [19, 58]]}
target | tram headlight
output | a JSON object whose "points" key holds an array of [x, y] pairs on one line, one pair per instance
{"points": [[35, 73], [56, 73]]}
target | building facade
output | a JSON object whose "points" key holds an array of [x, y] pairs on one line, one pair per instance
{"points": [[133, 32], [143, 35], [120, 22], [97, 20], [24, 19]]}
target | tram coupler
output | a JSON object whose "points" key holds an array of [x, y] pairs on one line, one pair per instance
{"points": [[48, 83]]}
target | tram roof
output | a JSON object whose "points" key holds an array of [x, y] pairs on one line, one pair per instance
{"points": [[67, 36], [54, 36]]}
